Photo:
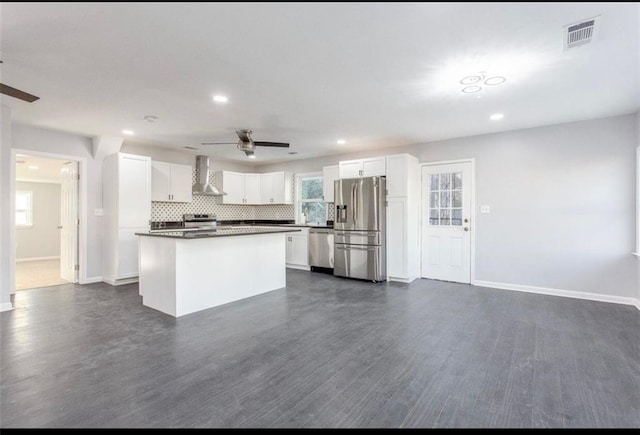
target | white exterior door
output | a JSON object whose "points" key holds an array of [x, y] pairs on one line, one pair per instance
{"points": [[446, 222], [69, 223]]}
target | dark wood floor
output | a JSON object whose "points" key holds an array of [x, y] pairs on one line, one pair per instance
{"points": [[324, 352]]}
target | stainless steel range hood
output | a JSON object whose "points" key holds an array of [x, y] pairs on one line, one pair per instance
{"points": [[202, 186]]}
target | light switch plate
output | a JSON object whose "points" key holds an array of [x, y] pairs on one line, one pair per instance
{"points": [[99, 212], [485, 209]]}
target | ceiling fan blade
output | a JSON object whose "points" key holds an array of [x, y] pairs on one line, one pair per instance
{"points": [[271, 144], [217, 143], [17, 93]]}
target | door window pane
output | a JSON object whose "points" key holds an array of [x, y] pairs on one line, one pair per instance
{"points": [[444, 216], [457, 199], [24, 208], [434, 200], [444, 199], [434, 182], [433, 216], [456, 216], [445, 181], [457, 181]]}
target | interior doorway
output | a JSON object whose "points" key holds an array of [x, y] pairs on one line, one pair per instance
{"points": [[46, 221]]}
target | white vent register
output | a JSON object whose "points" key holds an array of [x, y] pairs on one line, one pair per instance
{"points": [[580, 33]]}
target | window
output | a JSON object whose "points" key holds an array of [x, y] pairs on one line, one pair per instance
{"points": [[24, 208], [445, 199], [309, 199]]}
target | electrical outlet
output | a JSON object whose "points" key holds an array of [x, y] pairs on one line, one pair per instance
{"points": [[485, 209], [99, 212]]}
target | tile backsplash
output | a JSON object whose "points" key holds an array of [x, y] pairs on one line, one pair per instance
{"points": [[173, 211]]}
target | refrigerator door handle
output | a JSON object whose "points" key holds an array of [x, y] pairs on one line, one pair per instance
{"points": [[353, 203], [357, 248]]}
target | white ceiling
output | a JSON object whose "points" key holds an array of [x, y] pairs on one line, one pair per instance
{"points": [[375, 74], [49, 170]]}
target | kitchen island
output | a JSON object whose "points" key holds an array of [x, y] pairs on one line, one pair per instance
{"points": [[182, 272]]}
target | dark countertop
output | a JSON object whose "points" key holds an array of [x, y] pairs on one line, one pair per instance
{"points": [[178, 225], [218, 232]]}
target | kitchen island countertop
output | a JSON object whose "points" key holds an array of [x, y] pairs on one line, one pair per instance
{"points": [[217, 232]]}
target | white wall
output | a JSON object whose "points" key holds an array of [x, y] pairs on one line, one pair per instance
{"points": [[50, 141], [562, 202], [6, 220], [42, 239]]}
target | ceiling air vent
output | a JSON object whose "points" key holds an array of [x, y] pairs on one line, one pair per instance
{"points": [[580, 33]]}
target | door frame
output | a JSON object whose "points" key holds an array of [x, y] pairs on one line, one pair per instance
{"points": [[474, 230], [82, 211]]}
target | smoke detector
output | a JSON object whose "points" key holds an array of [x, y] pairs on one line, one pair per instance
{"points": [[580, 33]]}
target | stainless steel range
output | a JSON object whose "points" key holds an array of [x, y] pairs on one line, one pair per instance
{"points": [[200, 221]]}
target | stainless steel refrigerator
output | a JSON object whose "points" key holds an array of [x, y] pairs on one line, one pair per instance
{"points": [[360, 221]]}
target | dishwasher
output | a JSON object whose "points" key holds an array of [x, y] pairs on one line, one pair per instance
{"points": [[321, 250]]}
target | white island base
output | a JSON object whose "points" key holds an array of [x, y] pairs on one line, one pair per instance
{"points": [[182, 276]]}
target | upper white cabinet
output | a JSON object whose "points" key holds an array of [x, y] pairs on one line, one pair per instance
{"points": [[398, 168], [126, 199], [170, 182], [375, 166], [254, 189], [329, 175], [275, 188]]}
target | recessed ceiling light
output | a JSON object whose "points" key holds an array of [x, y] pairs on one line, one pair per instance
{"points": [[34, 167], [220, 99], [497, 80], [252, 156], [151, 118], [496, 116], [341, 141], [469, 80], [127, 132], [471, 89]]}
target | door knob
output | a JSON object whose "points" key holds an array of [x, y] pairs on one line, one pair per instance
{"points": [[466, 228], [466, 220]]}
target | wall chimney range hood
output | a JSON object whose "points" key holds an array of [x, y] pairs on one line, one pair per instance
{"points": [[202, 186]]}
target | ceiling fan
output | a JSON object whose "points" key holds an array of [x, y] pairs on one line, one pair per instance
{"points": [[17, 93], [247, 144]]}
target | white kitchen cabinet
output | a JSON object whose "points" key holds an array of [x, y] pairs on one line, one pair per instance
{"points": [[403, 218], [252, 189], [329, 175], [275, 188], [398, 168], [371, 167], [234, 185], [171, 182], [126, 198], [297, 251]]}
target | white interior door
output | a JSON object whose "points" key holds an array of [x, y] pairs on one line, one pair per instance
{"points": [[69, 223], [446, 222]]}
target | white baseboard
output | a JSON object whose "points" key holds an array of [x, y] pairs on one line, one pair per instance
{"points": [[406, 280], [557, 292], [20, 260], [7, 306], [122, 281], [295, 266], [92, 280]]}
